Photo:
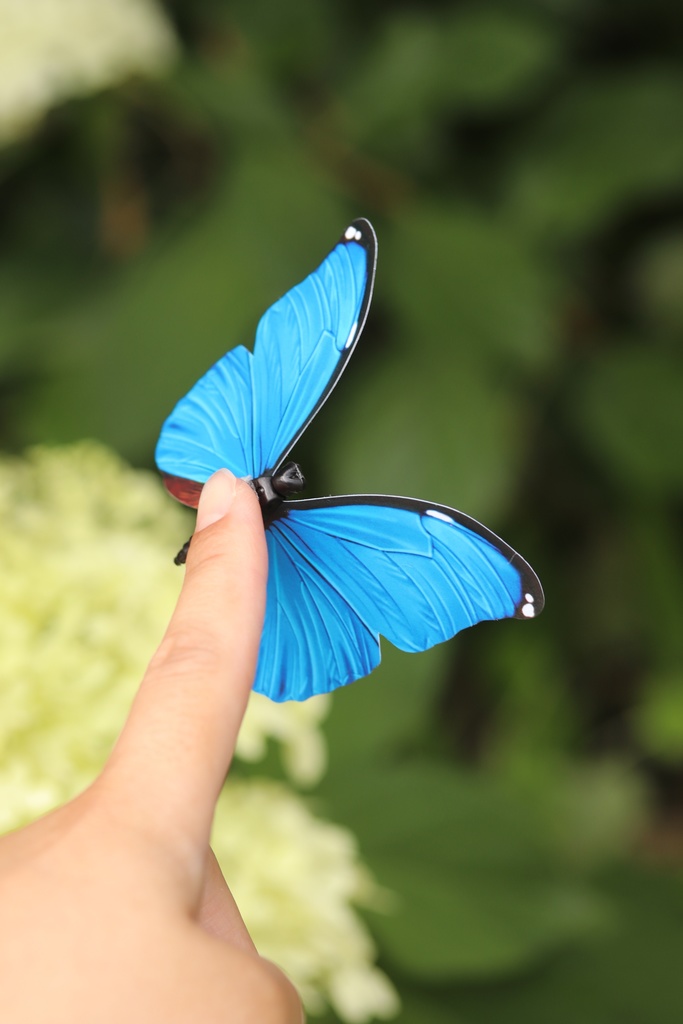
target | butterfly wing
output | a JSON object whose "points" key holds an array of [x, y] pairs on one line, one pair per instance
{"points": [[248, 410], [345, 570]]}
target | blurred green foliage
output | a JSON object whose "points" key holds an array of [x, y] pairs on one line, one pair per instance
{"points": [[519, 790]]}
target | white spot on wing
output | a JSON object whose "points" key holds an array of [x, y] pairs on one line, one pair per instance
{"points": [[352, 335], [528, 610], [529, 597], [439, 515], [352, 234]]}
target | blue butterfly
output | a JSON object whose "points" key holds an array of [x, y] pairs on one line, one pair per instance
{"points": [[342, 570]]}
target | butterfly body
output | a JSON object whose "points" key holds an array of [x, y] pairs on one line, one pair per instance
{"points": [[273, 488], [342, 570]]}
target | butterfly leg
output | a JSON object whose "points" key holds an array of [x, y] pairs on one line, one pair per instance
{"points": [[181, 557]]}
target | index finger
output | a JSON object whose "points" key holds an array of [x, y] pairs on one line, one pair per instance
{"points": [[175, 749]]}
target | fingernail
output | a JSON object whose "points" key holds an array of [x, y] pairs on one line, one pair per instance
{"points": [[216, 498]]}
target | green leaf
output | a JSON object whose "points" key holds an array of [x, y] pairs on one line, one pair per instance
{"points": [[427, 1006], [478, 887], [658, 277], [15, 312], [121, 359], [494, 57], [426, 67], [463, 282], [652, 545], [462, 296], [594, 811], [412, 426], [476, 923], [393, 95], [237, 99], [627, 972], [659, 719], [610, 140], [627, 411], [32, 289], [298, 39], [527, 677], [386, 715]]}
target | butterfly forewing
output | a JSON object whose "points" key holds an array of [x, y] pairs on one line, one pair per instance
{"points": [[248, 410], [305, 340]]}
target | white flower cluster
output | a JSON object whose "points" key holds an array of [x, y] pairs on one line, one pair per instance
{"points": [[52, 50], [295, 889], [296, 727], [88, 586]]}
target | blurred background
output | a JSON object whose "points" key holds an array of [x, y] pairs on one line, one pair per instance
{"points": [[167, 172]]}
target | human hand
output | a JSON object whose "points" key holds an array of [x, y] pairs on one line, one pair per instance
{"points": [[113, 908]]}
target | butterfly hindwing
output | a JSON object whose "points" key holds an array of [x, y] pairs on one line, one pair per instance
{"points": [[311, 643], [247, 411], [345, 570]]}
